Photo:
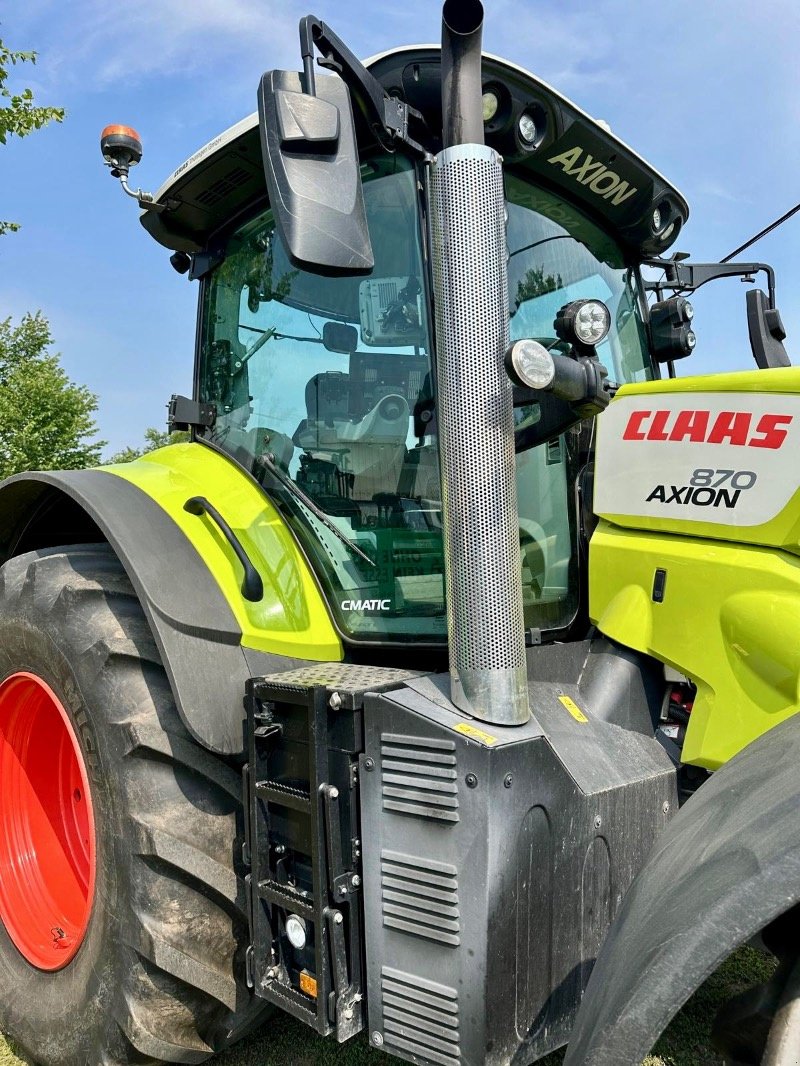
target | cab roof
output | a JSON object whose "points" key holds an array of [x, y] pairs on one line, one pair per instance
{"points": [[574, 155]]}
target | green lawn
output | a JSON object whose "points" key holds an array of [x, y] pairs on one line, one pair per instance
{"points": [[286, 1042]]}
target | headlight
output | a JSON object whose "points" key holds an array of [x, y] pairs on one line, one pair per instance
{"points": [[671, 334], [583, 322], [528, 130], [529, 363], [490, 105]]}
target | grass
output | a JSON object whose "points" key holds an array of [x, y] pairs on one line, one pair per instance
{"points": [[285, 1042]]}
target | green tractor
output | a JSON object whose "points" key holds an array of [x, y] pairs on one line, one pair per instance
{"points": [[444, 685]]}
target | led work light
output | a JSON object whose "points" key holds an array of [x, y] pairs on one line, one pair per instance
{"points": [[530, 364], [584, 323], [491, 103], [528, 130], [671, 336]]}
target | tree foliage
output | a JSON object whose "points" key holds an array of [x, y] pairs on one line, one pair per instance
{"points": [[46, 421], [19, 114], [153, 438], [537, 283]]}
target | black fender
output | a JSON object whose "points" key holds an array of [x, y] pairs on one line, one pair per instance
{"points": [[193, 625], [726, 866]]}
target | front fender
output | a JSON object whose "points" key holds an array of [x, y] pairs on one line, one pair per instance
{"points": [[186, 577], [726, 866]]}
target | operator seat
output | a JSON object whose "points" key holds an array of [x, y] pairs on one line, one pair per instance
{"points": [[364, 440], [421, 477]]}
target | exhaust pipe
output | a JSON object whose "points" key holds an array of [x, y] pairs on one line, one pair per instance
{"points": [[476, 418], [462, 91]]}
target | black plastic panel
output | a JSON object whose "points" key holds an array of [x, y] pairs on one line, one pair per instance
{"points": [[481, 930]]}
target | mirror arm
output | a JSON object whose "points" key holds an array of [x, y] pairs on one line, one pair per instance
{"points": [[683, 276], [387, 115]]}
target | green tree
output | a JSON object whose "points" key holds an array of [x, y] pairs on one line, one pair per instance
{"points": [[46, 421], [536, 283], [153, 438], [19, 114]]}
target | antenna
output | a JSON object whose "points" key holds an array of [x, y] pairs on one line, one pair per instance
{"points": [[761, 233]]}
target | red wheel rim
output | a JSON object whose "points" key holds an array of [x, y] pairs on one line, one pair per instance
{"points": [[47, 839]]}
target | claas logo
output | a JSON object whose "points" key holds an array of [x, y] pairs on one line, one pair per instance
{"points": [[706, 427]]}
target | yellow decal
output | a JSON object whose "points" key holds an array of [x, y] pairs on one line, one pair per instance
{"points": [[573, 709], [308, 984], [476, 734]]}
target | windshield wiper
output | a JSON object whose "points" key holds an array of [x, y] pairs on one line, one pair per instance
{"points": [[268, 460], [272, 334], [266, 335]]}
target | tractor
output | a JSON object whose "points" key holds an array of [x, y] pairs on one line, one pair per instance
{"points": [[443, 685]]}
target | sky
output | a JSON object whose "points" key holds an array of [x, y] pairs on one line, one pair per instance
{"points": [[708, 91]]}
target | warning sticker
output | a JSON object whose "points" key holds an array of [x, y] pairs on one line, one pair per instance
{"points": [[573, 709], [476, 734]]}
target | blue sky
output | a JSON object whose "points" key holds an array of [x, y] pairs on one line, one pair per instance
{"points": [[708, 92]]}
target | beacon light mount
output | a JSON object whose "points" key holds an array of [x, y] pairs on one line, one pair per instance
{"points": [[122, 149]]}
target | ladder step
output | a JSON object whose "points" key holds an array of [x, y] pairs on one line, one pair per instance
{"points": [[286, 897], [292, 1001], [285, 795]]}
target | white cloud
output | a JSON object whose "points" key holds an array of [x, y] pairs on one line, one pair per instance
{"points": [[94, 44]]}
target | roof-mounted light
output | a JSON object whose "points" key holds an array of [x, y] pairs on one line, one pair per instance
{"points": [[528, 130], [491, 104], [122, 149]]}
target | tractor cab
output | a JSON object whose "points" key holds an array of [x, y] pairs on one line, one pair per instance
{"points": [[324, 386]]}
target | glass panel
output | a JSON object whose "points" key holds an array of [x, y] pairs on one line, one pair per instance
{"points": [[331, 377], [557, 255]]}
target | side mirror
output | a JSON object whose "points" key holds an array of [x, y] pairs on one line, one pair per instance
{"points": [[766, 332], [340, 338], [312, 169]]}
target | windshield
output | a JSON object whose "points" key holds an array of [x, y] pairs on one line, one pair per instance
{"points": [[556, 255], [323, 388]]}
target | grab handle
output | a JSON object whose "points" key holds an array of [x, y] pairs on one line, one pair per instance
{"points": [[252, 585]]}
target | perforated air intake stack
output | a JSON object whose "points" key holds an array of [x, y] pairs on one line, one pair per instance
{"points": [[476, 421]]}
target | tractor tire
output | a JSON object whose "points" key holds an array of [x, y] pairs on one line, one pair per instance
{"points": [[123, 927]]}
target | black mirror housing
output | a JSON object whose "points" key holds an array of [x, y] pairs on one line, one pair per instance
{"points": [[306, 123], [340, 337], [766, 332], [312, 170]]}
